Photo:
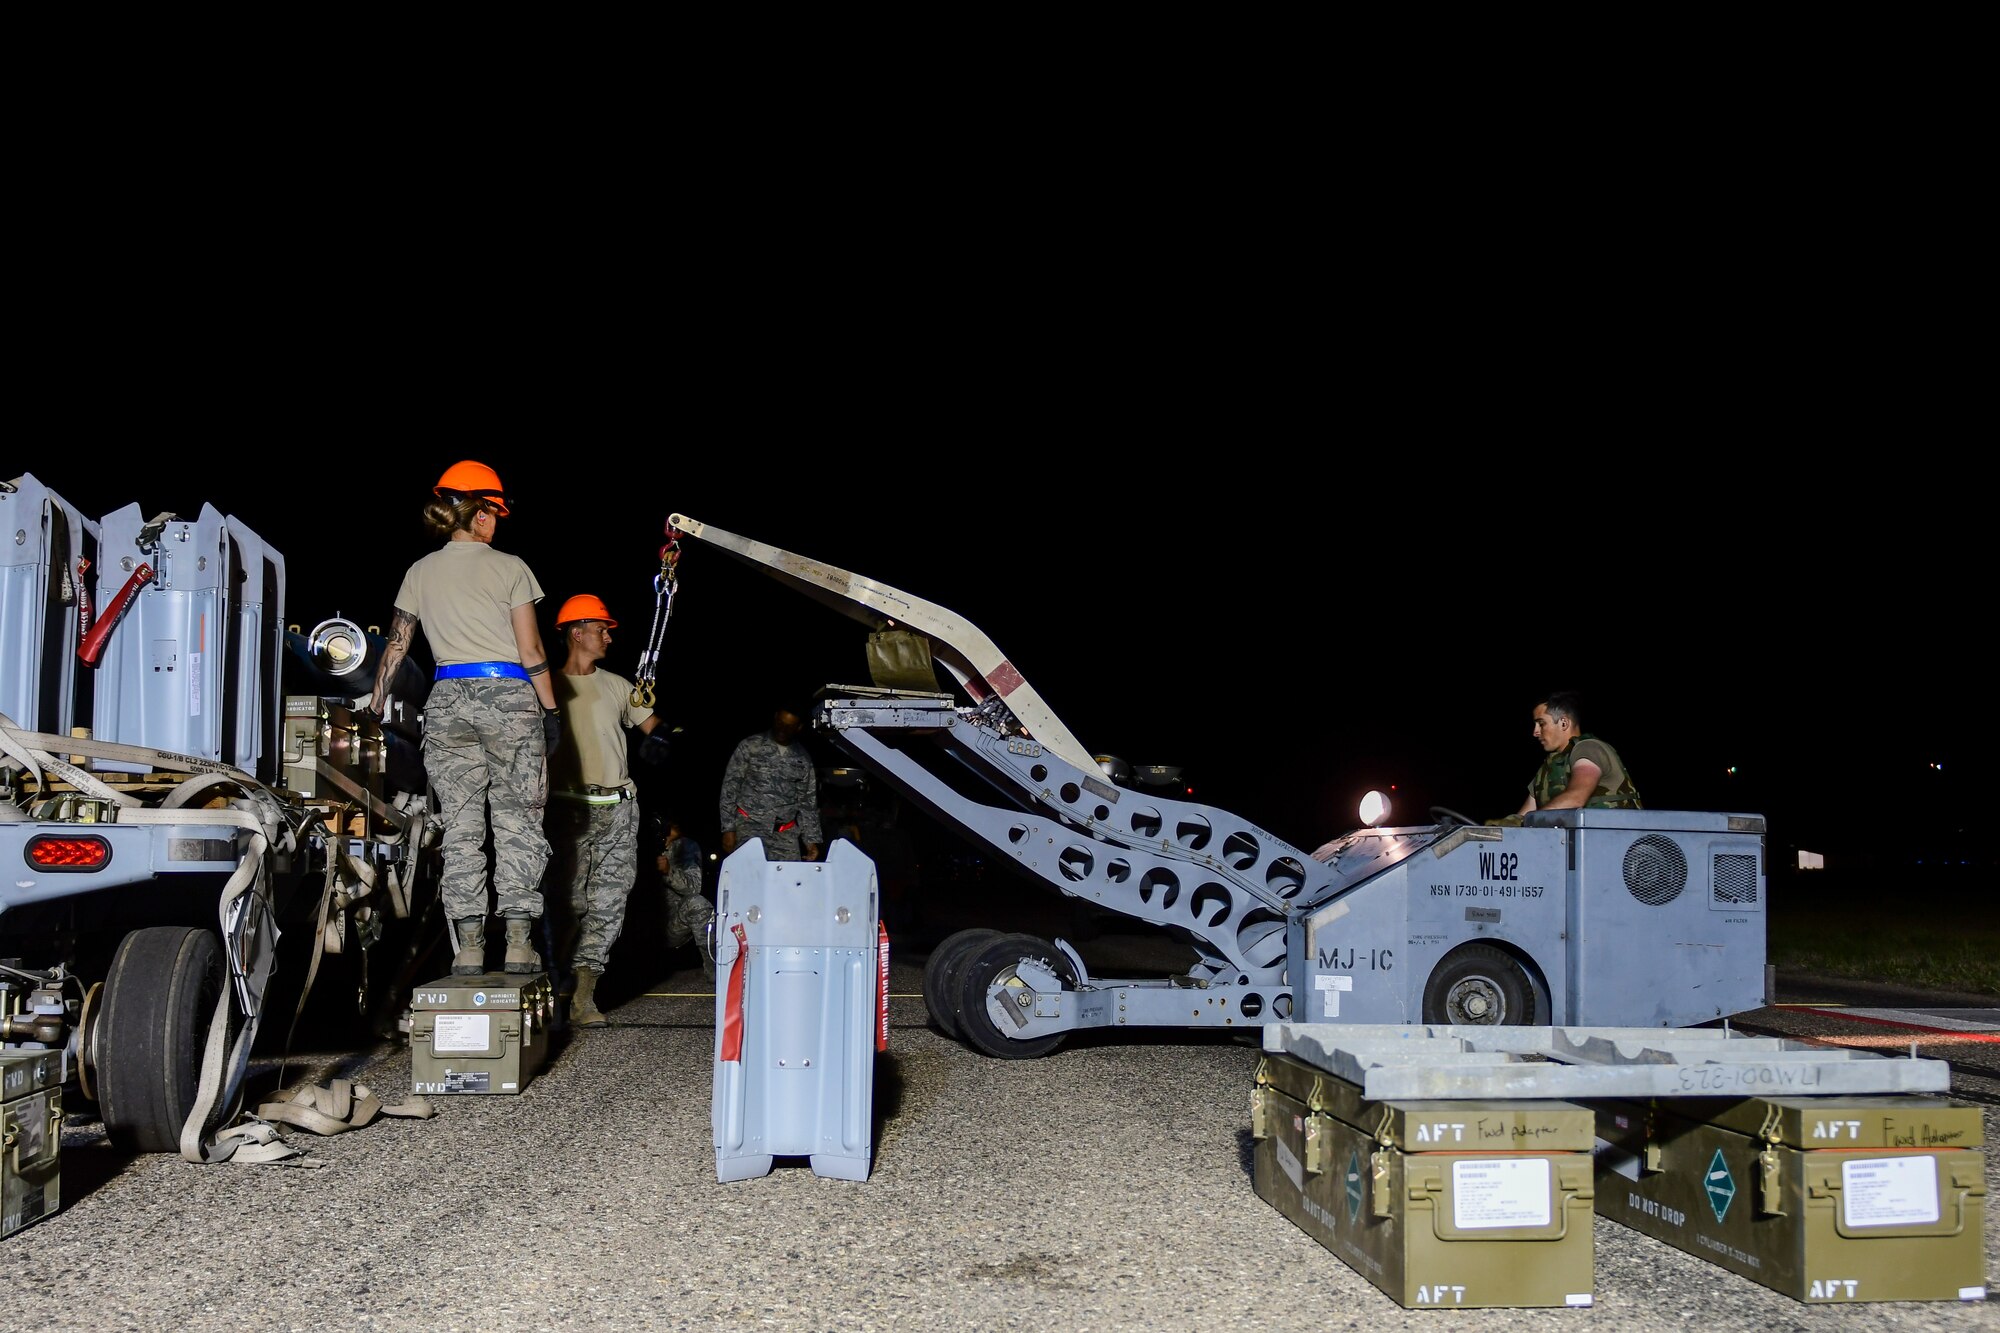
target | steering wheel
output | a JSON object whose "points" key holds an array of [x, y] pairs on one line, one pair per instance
{"points": [[1444, 814]]}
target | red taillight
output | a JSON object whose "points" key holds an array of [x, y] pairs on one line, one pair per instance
{"points": [[84, 853]]}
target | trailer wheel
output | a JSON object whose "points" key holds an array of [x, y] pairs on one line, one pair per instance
{"points": [[941, 972], [147, 1043], [86, 1030], [984, 1021], [1479, 985]]}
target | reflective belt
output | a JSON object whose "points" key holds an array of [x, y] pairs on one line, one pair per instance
{"points": [[598, 795], [453, 672]]}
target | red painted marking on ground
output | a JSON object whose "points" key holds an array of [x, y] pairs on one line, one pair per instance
{"points": [[1957, 1034]]}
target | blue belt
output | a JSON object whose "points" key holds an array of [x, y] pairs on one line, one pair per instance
{"points": [[514, 669]]}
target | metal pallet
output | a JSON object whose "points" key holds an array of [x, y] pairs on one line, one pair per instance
{"points": [[1391, 1063]]}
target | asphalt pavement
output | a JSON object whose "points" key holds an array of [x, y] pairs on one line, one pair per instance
{"points": [[1107, 1186]]}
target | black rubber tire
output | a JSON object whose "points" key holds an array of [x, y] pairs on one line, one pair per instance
{"points": [[159, 997], [941, 971], [994, 962], [1490, 979], [1444, 814]]}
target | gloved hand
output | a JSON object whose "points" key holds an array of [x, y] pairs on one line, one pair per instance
{"points": [[551, 731]]}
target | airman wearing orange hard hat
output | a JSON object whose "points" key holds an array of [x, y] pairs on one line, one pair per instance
{"points": [[474, 481], [482, 750], [594, 809], [583, 606]]}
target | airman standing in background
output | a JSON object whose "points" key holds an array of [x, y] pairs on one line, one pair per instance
{"points": [[770, 790], [594, 811]]}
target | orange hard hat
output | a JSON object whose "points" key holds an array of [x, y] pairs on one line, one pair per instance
{"points": [[584, 607], [475, 480]]}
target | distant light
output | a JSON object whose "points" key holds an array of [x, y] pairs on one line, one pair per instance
{"points": [[1937, 768], [1811, 861], [1374, 808], [1732, 770]]}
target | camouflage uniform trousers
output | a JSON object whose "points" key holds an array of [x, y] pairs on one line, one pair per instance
{"points": [[483, 748], [600, 847], [688, 914]]}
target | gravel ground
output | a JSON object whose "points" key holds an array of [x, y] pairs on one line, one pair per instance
{"points": [[1105, 1187]]}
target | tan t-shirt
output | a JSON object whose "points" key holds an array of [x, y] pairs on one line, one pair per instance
{"points": [[596, 709], [464, 595]]}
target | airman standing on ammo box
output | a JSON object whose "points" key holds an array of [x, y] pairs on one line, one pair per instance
{"points": [[490, 719]]}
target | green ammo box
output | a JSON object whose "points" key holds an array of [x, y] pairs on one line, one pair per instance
{"points": [[30, 1137], [483, 1034], [1828, 1199], [1441, 1204]]}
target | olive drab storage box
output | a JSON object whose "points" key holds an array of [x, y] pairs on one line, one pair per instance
{"points": [[1830, 1199], [1441, 1204], [31, 1132], [799, 987], [483, 1034]]}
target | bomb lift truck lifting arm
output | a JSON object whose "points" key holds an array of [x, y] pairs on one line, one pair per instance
{"points": [[972, 658], [1612, 918]]}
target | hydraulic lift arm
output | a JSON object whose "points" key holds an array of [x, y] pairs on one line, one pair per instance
{"points": [[975, 660]]}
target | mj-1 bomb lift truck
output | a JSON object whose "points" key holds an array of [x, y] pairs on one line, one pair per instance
{"points": [[165, 809], [1605, 918]]}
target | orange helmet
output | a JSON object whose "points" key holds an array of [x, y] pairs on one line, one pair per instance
{"points": [[584, 607], [474, 481]]}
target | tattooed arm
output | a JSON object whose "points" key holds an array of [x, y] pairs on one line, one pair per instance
{"points": [[401, 630], [528, 642]]}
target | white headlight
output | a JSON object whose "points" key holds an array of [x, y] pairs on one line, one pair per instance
{"points": [[1374, 808]]}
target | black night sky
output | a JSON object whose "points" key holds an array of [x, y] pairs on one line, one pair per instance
{"points": [[1306, 486]]}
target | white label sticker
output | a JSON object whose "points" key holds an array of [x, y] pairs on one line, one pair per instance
{"points": [[1288, 1162], [1330, 989], [1889, 1191], [462, 1032], [194, 684], [1500, 1192], [31, 1128]]}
